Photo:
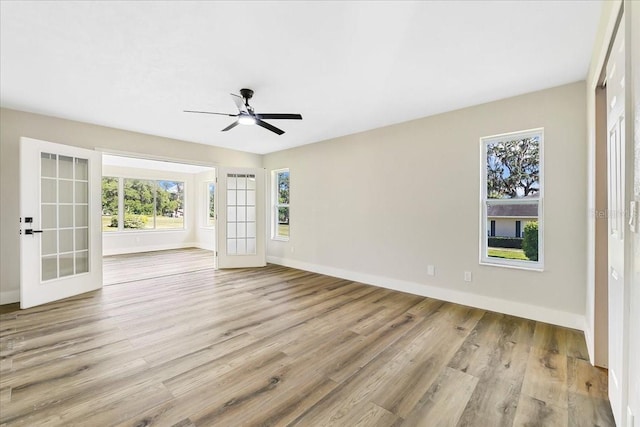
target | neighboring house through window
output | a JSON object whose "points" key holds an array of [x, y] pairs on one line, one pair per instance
{"points": [[511, 192]]}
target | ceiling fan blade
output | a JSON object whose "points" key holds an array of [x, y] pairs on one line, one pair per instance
{"points": [[239, 103], [210, 112], [270, 127], [231, 126], [271, 116]]}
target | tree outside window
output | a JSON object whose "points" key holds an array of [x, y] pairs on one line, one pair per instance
{"points": [[211, 211], [281, 204], [109, 203], [147, 204]]}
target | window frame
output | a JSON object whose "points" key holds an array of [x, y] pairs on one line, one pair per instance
{"points": [[121, 205], [484, 259], [275, 205]]}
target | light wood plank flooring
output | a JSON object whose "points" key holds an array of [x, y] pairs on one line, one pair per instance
{"points": [[278, 346]]}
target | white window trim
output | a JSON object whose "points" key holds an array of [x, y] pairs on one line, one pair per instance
{"points": [[500, 262], [275, 205]]}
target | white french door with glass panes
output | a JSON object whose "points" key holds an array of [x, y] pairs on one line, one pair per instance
{"points": [[241, 232], [60, 222]]}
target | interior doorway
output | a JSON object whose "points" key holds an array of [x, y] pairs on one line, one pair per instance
{"points": [[152, 205]]}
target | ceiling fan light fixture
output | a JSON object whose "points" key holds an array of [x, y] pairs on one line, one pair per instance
{"points": [[246, 115], [247, 120]]}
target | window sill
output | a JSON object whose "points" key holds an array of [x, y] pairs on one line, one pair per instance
{"points": [[537, 267], [280, 239], [123, 232]]}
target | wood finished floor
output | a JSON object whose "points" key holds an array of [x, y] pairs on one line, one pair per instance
{"points": [[278, 346]]}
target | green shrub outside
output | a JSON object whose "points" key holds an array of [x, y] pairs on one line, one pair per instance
{"points": [[131, 221], [530, 241], [505, 242]]}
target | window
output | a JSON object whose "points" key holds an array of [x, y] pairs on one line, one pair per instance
{"points": [[512, 190], [280, 226], [210, 192], [110, 203], [146, 204]]}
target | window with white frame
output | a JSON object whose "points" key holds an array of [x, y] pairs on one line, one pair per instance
{"points": [[209, 197], [280, 197], [146, 204], [511, 192]]}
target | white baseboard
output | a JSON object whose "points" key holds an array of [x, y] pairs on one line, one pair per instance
{"points": [[205, 246], [10, 297], [151, 248], [528, 311]]}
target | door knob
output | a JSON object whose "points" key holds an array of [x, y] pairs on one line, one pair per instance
{"points": [[32, 231]]}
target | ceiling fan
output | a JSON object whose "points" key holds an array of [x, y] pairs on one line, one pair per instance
{"points": [[246, 115]]}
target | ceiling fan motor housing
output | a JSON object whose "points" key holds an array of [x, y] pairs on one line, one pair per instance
{"points": [[246, 93]]}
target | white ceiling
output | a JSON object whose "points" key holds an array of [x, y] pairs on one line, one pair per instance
{"points": [[345, 66]]}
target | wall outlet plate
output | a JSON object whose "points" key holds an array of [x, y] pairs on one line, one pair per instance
{"points": [[431, 270], [467, 276]]}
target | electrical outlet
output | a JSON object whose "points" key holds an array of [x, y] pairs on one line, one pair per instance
{"points": [[431, 270], [467, 276]]}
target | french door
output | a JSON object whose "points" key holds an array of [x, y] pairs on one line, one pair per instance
{"points": [[60, 221], [241, 228]]}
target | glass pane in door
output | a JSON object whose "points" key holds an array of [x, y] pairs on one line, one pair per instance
{"points": [[241, 220], [64, 209]]}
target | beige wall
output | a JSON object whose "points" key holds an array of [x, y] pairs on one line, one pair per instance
{"points": [[14, 124], [388, 202]]}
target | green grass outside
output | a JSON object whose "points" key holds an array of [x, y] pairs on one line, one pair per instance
{"points": [[162, 222], [283, 230], [507, 253]]}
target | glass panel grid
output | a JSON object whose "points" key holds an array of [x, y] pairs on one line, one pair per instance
{"points": [[64, 210], [241, 225]]}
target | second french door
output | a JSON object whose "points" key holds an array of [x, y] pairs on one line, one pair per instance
{"points": [[241, 228]]}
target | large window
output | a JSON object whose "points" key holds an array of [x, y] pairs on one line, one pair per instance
{"points": [[280, 195], [146, 204], [512, 189]]}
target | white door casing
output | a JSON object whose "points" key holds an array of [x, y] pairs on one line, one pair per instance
{"points": [[61, 248], [617, 292], [241, 225]]}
